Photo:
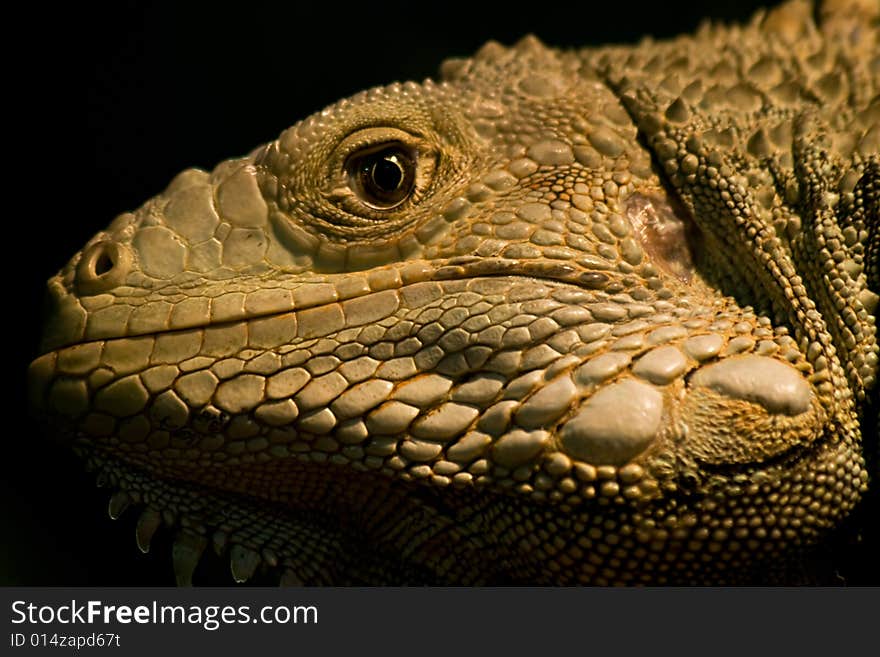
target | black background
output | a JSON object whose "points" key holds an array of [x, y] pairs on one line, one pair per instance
{"points": [[113, 101]]}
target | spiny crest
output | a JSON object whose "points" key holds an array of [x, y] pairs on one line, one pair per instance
{"points": [[494, 64]]}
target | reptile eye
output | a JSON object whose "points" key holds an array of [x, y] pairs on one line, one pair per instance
{"points": [[383, 177]]}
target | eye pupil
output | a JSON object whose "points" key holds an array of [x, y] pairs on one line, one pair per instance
{"points": [[387, 173], [383, 177]]}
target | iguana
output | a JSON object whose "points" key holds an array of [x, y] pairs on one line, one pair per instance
{"points": [[562, 317]]}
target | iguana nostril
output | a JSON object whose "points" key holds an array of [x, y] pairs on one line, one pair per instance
{"points": [[102, 267], [103, 264]]}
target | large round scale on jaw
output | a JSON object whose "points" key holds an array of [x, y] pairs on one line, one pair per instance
{"points": [[775, 385], [615, 424]]}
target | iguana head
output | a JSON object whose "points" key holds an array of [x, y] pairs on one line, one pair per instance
{"points": [[555, 318]]}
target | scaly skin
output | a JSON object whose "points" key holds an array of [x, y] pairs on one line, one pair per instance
{"points": [[621, 330]]}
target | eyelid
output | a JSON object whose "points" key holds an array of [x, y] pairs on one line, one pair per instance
{"points": [[411, 151], [378, 136]]}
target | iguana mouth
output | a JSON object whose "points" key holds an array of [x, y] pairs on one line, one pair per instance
{"points": [[289, 294]]}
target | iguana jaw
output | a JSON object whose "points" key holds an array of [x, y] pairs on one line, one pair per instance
{"points": [[454, 536]]}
